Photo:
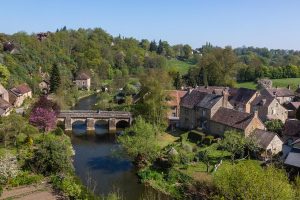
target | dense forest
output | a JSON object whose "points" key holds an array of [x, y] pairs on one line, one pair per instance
{"points": [[104, 57]]}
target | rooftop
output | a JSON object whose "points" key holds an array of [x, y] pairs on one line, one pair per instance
{"points": [[232, 118], [82, 76], [21, 89], [263, 138]]}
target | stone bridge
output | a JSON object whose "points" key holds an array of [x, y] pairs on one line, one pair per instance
{"points": [[90, 117]]}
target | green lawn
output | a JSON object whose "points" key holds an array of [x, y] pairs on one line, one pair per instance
{"points": [[293, 82], [177, 65]]}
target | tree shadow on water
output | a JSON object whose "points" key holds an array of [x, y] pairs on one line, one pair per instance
{"points": [[109, 164]]}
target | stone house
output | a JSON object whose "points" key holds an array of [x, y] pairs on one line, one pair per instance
{"points": [[17, 95], [269, 142], [83, 81], [283, 95], [292, 108], [242, 99], [269, 108], [5, 106], [198, 106], [4, 93], [173, 101], [291, 130], [229, 119]]}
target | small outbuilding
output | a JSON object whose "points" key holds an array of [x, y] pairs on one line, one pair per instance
{"points": [[83, 81]]}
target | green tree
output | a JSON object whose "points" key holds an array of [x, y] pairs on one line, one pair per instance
{"points": [[152, 105], [54, 78], [4, 75], [275, 126], [140, 140], [187, 51], [160, 48], [204, 157], [177, 81], [249, 181], [53, 155], [234, 142], [153, 46]]}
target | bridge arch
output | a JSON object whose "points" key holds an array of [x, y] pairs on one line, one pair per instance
{"points": [[101, 126], [122, 123], [79, 126]]}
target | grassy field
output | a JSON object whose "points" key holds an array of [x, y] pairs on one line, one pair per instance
{"points": [[177, 65], [293, 82]]}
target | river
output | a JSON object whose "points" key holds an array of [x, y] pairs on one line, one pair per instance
{"points": [[99, 166]]}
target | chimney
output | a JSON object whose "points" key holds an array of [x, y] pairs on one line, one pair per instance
{"points": [[289, 87], [225, 99], [264, 101], [255, 114], [190, 89]]}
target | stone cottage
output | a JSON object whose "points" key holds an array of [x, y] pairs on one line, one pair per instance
{"points": [[269, 142], [292, 108], [242, 99], [228, 119], [198, 106], [173, 101], [269, 108], [283, 95], [83, 81], [5, 106], [17, 95]]}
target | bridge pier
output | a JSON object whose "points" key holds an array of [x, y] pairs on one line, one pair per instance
{"points": [[68, 124], [90, 124], [112, 126]]}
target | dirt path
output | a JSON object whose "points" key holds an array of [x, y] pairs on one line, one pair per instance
{"points": [[39, 192]]}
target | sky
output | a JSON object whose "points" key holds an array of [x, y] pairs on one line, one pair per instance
{"points": [[260, 23]]}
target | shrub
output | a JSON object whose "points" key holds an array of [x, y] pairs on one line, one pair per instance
{"points": [[8, 167], [58, 131], [188, 148], [208, 140], [68, 185], [196, 136], [53, 155], [25, 178]]}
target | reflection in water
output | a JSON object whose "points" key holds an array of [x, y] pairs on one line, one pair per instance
{"points": [[96, 159]]}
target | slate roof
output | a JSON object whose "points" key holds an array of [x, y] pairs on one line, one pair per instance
{"points": [[175, 96], [212, 89], [190, 100], [209, 101], [292, 105], [263, 138], [82, 76], [292, 128], [21, 89], [262, 100], [279, 92], [232, 118], [293, 159], [242, 96]]}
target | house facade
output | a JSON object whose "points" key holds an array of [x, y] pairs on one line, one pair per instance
{"points": [[17, 95], [269, 142], [4, 93], [83, 81], [269, 108], [228, 119], [242, 99], [283, 95], [173, 102]]}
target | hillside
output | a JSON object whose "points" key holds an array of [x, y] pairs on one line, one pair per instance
{"points": [[293, 82]]}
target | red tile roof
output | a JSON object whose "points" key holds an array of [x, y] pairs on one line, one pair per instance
{"points": [[21, 89], [175, 96]]}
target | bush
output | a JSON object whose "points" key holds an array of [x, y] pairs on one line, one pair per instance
{"points": [[196, 136], [8, 167], [68, 185], [53, 155], [208, 140], [25, 178], [58, 131]]}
